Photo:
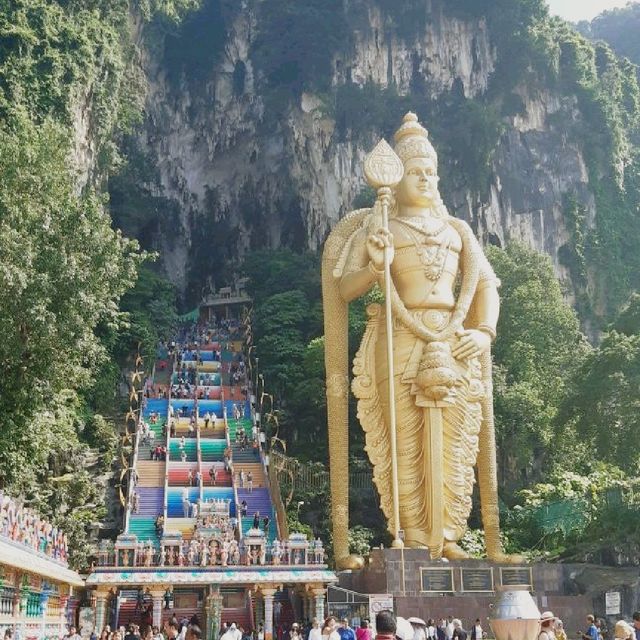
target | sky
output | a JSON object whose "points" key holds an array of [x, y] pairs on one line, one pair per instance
{"points": [[575, 10]]}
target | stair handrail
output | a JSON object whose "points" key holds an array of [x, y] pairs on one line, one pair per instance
{"points": [[271, 477], [228, 441], [199, 450], [132, 479], [167, 444]]}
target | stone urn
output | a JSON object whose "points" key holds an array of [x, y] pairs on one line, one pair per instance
{"points": [[514, 615]]}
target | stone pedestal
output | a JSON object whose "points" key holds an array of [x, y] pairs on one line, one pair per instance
{"points": [[465, 589]]}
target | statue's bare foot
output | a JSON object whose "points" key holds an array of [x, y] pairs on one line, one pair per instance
{"points": [[506, 558], [350, 562], [452, 551]]}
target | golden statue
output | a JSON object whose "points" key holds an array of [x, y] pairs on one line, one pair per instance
{"points": [[443, 297]]}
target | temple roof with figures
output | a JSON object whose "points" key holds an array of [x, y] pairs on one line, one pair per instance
{"points": [[218, 575]]}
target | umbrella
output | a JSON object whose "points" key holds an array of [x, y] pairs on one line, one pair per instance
{"points": [[419, 621], [404, 630]]}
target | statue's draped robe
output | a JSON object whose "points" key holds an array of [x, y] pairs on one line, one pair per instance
{"points": [[461, 420]]}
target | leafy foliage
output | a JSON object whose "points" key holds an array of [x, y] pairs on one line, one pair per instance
{"points": [[63, 272], [619, 28], [538, 348], [604, 399], [64, 268], [297, 41]]}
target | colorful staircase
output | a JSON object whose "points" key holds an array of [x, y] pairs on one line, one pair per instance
{"points": [[204, 447], [258, 500]]}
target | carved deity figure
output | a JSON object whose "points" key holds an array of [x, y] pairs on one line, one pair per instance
{"points": [[445, 306]]}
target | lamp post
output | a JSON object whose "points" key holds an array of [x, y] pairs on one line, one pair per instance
{"points": [[300, 503]]}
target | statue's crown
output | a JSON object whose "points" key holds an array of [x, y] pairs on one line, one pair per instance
{"points": [[412, 140]]}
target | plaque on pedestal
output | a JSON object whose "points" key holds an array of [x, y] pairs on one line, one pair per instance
{"points": [[516, 576], [476, 579], [436, 580]]}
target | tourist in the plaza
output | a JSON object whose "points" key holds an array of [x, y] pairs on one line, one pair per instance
{"points": [[592, 631], [212, 476], [624, 631], [547, 626], [227, 633], [155, 634], [477, 632], [277, 612], [194, 632], [449, 629], [182, 634], [363, 632], [244, 508], [171, 628], [458, 631], [385, 625], [256, 520], [73, 634], [295, 634], [315, 632], [441, 630], [636, 624], [237, 633], [419, 629], [265, 525], [250, 481], [329, 631], [561, 634], [345, 631]]}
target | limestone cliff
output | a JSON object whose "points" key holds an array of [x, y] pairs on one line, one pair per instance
{"points": [[243, 156]]}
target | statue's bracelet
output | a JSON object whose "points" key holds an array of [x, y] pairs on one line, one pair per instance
{"points": [[490, 331], [374, 271]]}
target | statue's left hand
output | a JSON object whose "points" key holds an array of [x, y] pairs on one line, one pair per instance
{"points": [[473, 344]]}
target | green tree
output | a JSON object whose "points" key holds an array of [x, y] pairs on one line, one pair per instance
{"points": [[603, 402], [619, 27], [539, 346], [63, 272]]}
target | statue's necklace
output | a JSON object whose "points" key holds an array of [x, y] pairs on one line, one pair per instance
{"points": [[432, 255], [419, 224]]}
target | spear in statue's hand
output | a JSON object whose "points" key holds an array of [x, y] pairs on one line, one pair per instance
{"points": [[384, 170]]}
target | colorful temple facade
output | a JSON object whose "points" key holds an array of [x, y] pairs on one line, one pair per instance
{"points": [[37, 597], [204, 533]]}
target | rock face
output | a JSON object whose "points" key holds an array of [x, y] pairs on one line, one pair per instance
{"points": [[245, 174]]}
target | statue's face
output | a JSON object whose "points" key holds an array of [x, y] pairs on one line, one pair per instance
{"points": [[419, 185]]}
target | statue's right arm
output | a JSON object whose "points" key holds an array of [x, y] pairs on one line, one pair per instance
{"points": [[359, 274]]}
